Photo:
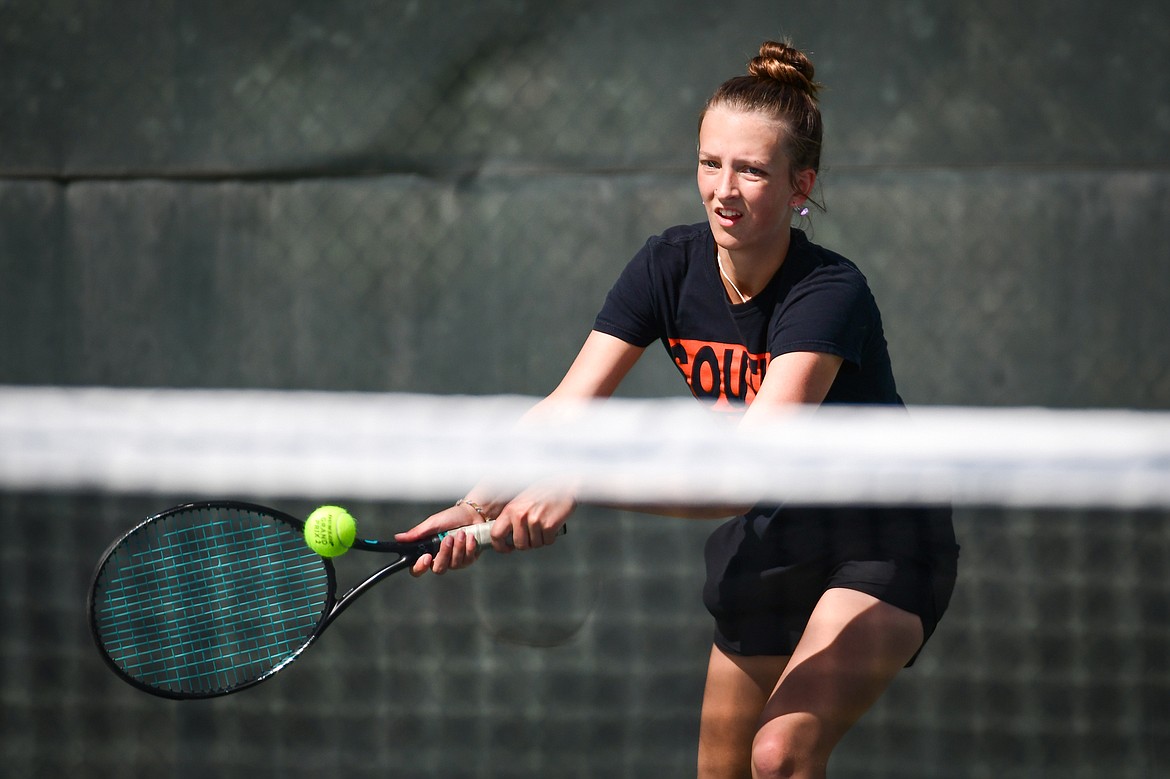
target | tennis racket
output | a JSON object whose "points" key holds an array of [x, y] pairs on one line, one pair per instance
{"points": [[207, 599]]}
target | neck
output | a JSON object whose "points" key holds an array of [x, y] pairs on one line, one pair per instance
{"points": [[746, 273], [730, 282]]}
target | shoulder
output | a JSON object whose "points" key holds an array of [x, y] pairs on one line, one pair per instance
{"points": [[680, 243], [813, 259], [683, 236], [671, 255], [649, 292], [815, 266]]}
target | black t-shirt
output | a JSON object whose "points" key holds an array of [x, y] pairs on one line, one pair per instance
{"points": [[819, 301]]}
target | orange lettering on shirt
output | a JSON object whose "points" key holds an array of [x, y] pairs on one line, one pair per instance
{"points": [[725, 374]]}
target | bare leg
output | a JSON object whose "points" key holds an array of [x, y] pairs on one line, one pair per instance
{"points": [[737, 689], [852, 649]]}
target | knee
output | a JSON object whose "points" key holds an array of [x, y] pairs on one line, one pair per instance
{"points": [[790, 746]]}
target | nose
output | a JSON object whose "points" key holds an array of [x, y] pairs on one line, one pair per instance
{"points": [[725, 185]]}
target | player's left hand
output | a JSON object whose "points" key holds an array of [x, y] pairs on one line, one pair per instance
{"points": [[531, 520]]}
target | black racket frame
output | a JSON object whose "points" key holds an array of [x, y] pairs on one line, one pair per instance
{"points": [[333, 608]]}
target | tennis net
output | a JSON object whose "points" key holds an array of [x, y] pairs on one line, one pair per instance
{"points": [[374, 446], [586, 659]]}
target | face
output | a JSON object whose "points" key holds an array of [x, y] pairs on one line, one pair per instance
{"points": [[745, 181]]}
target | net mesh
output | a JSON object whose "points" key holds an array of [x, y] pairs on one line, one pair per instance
{"points": [[587, 658]]}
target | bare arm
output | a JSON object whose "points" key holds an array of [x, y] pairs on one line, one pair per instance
{"points": [[598, 368], [796, 378], [793, 379], [532, 518]]}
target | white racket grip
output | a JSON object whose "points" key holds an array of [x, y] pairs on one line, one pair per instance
{"points": [[482, 532]]}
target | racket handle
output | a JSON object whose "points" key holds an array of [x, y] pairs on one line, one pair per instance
{"points": [[482, 532]]}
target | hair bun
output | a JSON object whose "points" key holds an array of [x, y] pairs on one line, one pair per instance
{"points": [[786, 64]]}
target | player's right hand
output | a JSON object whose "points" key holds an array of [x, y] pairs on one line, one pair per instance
{"points": [[457, 550]]}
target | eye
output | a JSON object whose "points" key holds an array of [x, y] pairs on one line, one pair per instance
{"points": [[755, 172], [708, 164]]}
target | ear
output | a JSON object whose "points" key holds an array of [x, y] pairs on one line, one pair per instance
{"points": [[803, 182]]}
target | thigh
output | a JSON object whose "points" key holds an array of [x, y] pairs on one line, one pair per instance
{"points": [[737, 689], [853, 647]]}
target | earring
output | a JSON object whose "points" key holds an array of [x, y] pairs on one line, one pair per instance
{"points": [[800, 210]]}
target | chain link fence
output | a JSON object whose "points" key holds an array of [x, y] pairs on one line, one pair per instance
{"points": [[435, 197]]}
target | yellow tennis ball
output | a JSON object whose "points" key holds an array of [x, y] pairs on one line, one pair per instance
{"points": [[330, 530]]}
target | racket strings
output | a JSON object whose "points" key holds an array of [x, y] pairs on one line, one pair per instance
{"points": [[207, 600]]}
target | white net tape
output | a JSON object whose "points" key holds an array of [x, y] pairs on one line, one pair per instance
{"points": [[417, 447]]}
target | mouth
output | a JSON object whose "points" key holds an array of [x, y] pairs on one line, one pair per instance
{"points": [[727, 216]]}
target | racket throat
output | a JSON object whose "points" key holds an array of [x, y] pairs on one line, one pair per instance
{"points": [[358, 590]]}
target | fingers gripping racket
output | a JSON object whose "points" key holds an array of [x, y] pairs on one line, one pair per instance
{"points": [[210, 598]]}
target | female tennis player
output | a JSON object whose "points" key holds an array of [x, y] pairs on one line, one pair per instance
{"points": [[816, 609]]}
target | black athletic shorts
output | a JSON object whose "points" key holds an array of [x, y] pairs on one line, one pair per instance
{"points": [[767, 569]]}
